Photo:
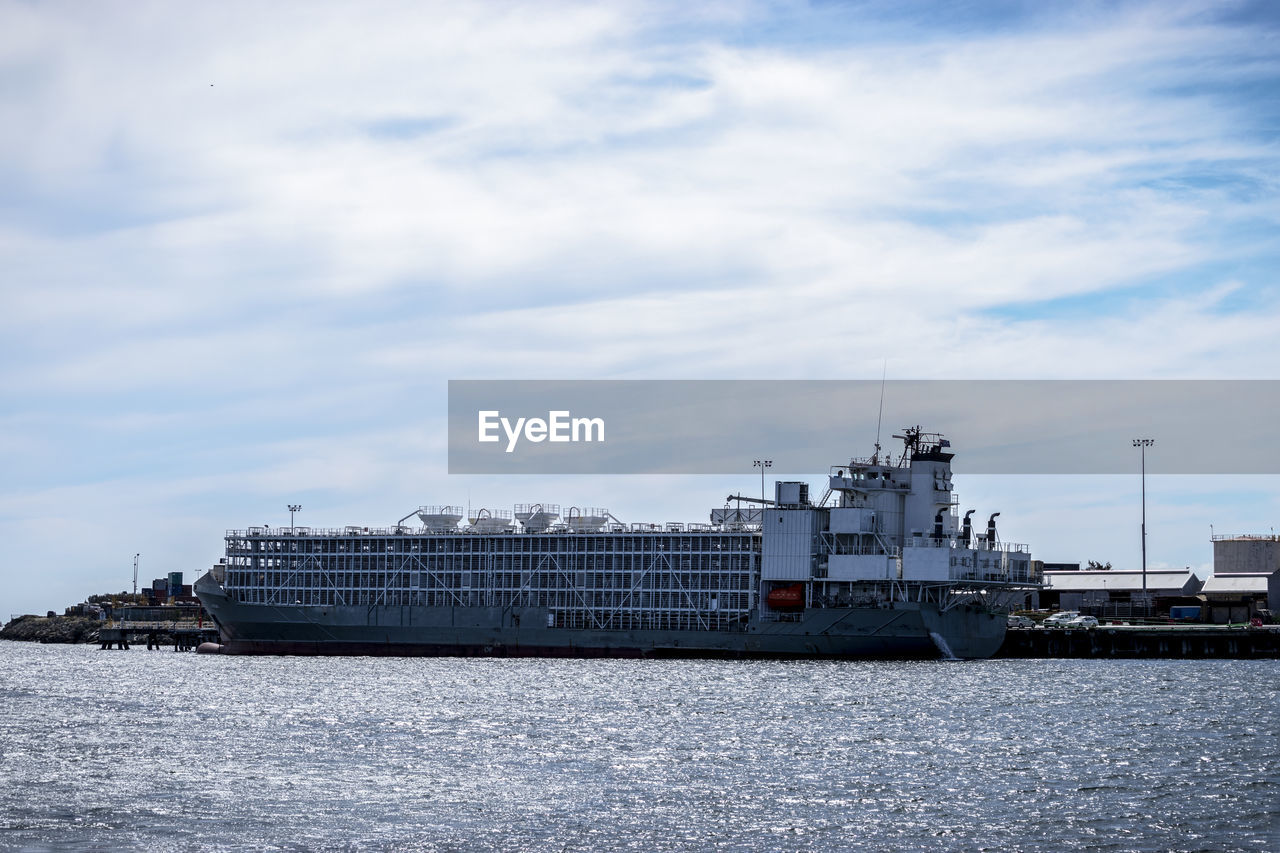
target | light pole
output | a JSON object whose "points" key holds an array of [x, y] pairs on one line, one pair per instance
{"points": [[292, 509], [1144, 443], [762, 464]]}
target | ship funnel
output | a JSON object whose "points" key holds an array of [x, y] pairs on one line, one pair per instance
{"points": [[966, 533], [937, 525], [991, 529]]}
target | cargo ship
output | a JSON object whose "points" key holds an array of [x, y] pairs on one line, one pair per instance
{"points": [[881, 566]]}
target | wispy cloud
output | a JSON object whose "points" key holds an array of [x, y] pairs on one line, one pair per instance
{"points": [[274, 232]]}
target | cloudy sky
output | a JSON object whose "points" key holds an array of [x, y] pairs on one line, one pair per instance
{"points": [[244, 246]]}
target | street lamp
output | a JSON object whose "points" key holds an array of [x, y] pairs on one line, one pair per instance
{"points": [[292, 509], [1144, 443], [762, 464]]}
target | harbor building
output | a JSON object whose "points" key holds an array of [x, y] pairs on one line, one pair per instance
{"points": [[1119, 593], [1246, 578], [1246, 553], [1240, 596]]}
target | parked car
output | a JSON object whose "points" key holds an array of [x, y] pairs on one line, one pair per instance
{"points": [[1021, 622], [1059, 620], [1082, 622]]}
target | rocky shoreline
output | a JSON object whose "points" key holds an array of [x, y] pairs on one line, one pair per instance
{"points": [[52, 629]]}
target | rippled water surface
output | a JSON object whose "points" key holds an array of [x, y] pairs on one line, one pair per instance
{"points": [[160, 750]]}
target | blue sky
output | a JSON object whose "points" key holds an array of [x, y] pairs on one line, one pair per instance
{"points": [[245, 246]]}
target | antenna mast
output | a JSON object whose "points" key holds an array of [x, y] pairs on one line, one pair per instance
{"points": [[875, 457]]}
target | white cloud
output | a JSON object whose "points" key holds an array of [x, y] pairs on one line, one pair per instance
{"points": [[261, 226]]}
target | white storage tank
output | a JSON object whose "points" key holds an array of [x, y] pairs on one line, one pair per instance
{"points": [[535, 518], [440, 519], [587, 519], [490, 521]]}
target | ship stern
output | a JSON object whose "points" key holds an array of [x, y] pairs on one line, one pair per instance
{"points": [[966, 632]]}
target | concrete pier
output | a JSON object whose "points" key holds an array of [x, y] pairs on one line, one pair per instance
{"points": [[1124, 641], [181, 639]]}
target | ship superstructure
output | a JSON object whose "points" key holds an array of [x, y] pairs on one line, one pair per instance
{"points": [[880, 566], [889, 530]]}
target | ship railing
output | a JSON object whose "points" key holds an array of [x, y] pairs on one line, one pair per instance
{"points": [[841, 549], [779, 616], [996, 573], [928, 542], [1251, 537], [962, 573], [950, 542], [402, 530], [850, 501], [333, 532], [882, 461], [1012, 547], [136, 625]]}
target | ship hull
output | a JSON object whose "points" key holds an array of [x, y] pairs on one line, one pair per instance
{"points": [[905, 630]]}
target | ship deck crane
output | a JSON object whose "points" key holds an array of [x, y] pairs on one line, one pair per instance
{"points": [[749, 500]]}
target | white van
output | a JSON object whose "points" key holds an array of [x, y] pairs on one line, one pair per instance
{"points": [[1060, 619]]}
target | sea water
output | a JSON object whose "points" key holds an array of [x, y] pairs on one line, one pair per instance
{"points": [[161, 750]]}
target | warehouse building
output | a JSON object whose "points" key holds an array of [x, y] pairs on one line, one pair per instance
{"points": [[1241, 596], [1246, 578], [1119, 593]]}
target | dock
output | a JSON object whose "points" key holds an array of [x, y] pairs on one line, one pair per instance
{"points": [[182, 636], [1144, 641]]}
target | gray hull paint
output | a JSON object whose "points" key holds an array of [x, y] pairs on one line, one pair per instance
{"points": [[905, 630]]}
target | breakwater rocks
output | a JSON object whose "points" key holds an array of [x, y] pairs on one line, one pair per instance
{"points": [[54, 629]]}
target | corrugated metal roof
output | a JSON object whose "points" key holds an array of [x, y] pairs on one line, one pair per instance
{"points": [[1240, 583], [1085, 581]]}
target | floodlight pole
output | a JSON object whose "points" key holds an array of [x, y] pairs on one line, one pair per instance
{"points": [[762, 464], [292, 509], [1144, 443]]}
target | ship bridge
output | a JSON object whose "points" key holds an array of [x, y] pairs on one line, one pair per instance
{"points": [[891, 525]]}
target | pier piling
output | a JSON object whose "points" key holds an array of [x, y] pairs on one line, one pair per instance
{"points": [[1124, 641]]}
